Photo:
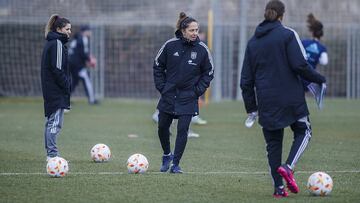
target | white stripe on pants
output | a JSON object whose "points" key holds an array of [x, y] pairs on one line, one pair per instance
{"points": [[53, 125], [302, 133], [87, 84]]}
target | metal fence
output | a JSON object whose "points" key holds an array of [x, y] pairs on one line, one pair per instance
{"points": [[128, 34]]}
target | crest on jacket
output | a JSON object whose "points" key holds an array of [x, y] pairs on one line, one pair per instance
{"points": [[193, 55]]}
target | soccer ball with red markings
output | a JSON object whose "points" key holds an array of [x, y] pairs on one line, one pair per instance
{"points": [[57, 167], [137, 163], [320, 184], [100, 153]]}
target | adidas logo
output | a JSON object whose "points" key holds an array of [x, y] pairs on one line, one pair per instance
{"points": [[176, 54], [313, 48]]}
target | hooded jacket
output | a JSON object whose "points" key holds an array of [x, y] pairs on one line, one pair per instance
{"points": [[55, 74], [270, 82], [183, 70]]}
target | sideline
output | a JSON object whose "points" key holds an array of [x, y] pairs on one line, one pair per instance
{"points": [[196, 173]]}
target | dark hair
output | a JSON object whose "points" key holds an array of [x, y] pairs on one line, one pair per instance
{"points": [[84, 28], [273, 10], [184, 21], [55, 21], [315, 26]]}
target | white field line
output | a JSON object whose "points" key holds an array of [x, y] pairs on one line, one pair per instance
{"points": [[196, 173]]}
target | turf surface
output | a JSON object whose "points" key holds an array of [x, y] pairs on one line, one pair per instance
{"points": [[226, 164]]}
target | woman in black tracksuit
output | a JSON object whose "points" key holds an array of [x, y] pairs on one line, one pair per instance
{"points": [[55, 80], [271, 84], [80, 60], [183, 69]]}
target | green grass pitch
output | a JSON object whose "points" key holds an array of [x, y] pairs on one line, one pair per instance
{"points": [[226, 164]]}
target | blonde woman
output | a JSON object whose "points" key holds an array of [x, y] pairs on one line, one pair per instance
{"points": [[55, 80]]}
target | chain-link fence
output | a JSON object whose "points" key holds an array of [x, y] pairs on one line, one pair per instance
{"points": [[128, 34]]}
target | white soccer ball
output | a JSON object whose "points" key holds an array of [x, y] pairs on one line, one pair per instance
{"points": [[100, 153], [57, 167], [320, 184], [137, 163]]}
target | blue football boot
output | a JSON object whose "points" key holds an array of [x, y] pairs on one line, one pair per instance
{"points": [[175, 169], [166, 161]]}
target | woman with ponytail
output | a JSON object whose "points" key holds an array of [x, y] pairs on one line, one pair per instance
{"points": [[271, 88], [55, 80], [183, 69], [315, 51]]}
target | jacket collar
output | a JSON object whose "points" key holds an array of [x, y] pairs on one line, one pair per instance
{"points": [[56, 35]]}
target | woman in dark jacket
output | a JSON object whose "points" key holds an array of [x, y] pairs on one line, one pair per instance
{"points": [[80, 60], [183, 69], [55, 79], [274, 60]]}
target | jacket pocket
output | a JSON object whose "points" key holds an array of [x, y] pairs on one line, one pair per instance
{"points": [[167, 87], [187, 96]]}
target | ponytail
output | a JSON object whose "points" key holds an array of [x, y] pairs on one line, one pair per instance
{"points": [[50, 23], [270, 15], [184, 21], [315, 26], [55, 21], [273, 10]]}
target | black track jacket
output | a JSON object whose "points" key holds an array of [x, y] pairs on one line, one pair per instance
{"points": [[182, 71], [55, 74], [79, 53]]}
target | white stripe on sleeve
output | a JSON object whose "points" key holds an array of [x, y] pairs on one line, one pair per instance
{"points": [[299, 42], [58, 54], [210, 57], [162, 49]]}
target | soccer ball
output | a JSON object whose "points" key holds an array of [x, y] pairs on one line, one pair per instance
{"points": [[320, 184], [137, 163], [100, 153], [57, 167]]}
